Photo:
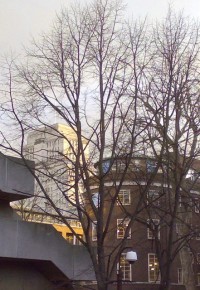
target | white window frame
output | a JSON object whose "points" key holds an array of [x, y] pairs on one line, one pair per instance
{"points": [[121, 197], [196, 205], [180, 201], [125, 268], [94, 231], [124, 224], [151, 265], [198, 279], [153, 197], [180, 276], [71, 198], [118, 165], [135, 165], [192, 174], [95, 199], [76, 240], [150, 235]]}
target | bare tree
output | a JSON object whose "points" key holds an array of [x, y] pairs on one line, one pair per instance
{"points": [[171, 101], [120, 88], [84, 72]]}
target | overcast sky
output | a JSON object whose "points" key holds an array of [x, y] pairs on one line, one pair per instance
{"points": [[19, 19]]}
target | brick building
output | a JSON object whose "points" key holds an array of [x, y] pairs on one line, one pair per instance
{"points": [[147, 215]]}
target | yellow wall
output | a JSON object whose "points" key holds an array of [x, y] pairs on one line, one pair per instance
{"points": [[65, 230]]}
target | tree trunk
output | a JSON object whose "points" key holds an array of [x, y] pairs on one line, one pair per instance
{"points": [[187, 269]]}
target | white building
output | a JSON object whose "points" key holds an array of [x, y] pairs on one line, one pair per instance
{"points": [[54, 150]]}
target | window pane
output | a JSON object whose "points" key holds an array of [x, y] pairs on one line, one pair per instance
{"points": [[151, 166], [122, 225], [153, 197], [106, 166], [180, 276], [153, 229], [125, 268], [153, 268], [95, 199], [69, 237], [124, 197], [198, 278], [94, 231]]}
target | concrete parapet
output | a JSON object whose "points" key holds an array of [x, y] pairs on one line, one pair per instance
{"points": [[16, 179], [32, 241]]}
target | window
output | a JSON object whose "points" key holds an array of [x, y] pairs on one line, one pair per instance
{"points": [[153, 197], [196, 205], [119, 165], [70, 238], [151, 166], [136, 165], [31, 153], [191, 257], [197, 236], [94, 231], [95, 199], [198, 258], [71, 198], [197, 233], [48, 207], [198, 278], [189, 204], [106, 166], [122, 225], [125, 268], [180, 276], [153, 268], [180, 201], [76, 240], [153, 229], [192, 174], [124, 197], [75, 223]]}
